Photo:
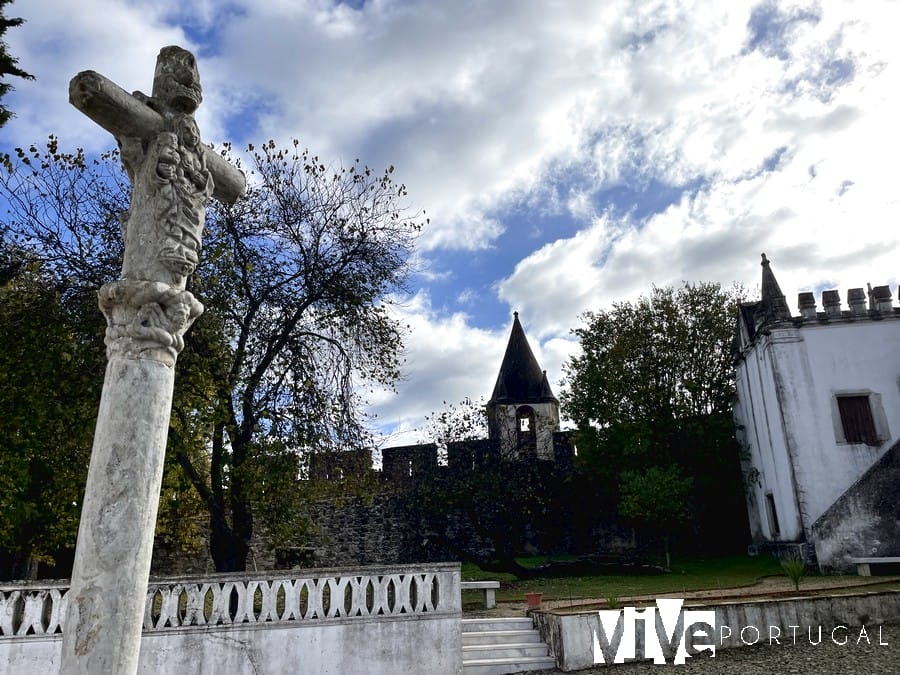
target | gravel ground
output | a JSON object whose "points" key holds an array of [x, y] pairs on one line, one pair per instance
{"points": [[825, 658]]}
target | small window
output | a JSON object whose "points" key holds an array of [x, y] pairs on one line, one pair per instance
{"points": [[858, 417], [773, 515]]}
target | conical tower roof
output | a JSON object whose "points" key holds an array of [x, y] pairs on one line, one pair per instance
{"points": [[773, 303], [521, 379]]}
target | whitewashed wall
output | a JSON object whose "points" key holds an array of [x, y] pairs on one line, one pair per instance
{"points": [[571, 634], [786, 385], [334, 621]]}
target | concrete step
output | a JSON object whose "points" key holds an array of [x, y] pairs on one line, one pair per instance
{"points": [[504, 651], [509, 665], [501, 623], [494, 637], [503, 645]]}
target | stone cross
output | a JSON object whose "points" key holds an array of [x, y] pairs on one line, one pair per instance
{"points": [[148, 310]]}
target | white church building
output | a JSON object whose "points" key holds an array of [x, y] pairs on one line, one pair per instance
{"points": [[818, 416]]}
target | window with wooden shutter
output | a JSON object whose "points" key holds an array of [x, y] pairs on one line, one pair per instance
{"points": [[856, 420]]}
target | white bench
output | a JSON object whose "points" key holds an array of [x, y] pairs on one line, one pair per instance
{"points": [[490, 599], [863, 568]]}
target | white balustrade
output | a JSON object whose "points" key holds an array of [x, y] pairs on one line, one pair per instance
{"points": [[32, 610], [320, 595]]}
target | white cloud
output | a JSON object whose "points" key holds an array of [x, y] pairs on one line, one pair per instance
{"points": [[825, 207], [446, 360], [788, 145], [60, 39], [469, 100]]}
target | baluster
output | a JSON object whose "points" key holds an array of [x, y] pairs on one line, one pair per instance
{"points": [[292, 610], [268, 610], [316, 598], [7, 607], [194, 612], [402, 602], [246, 601], [337, 590], [220, 605], [58, 602], [358, 601], [380, 603], [170, 606], [33, 613], [429, 579], [148, 608]]}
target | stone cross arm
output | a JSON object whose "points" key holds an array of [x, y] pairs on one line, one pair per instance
{"points": [[127, 116]]}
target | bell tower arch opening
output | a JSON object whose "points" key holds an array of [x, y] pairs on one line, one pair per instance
{"points": [[526, 431]]}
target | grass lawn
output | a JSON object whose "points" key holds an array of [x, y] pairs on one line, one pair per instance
{"points": [[686, 575]]}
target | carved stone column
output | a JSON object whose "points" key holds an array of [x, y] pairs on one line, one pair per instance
{"points": [[148, 311]]}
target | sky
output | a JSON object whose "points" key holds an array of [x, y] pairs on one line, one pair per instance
{"points": [[569, 154]]}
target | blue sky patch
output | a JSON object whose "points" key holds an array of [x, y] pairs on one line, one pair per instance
{"points": [[243, 118], [204, 31], [770, 29]]}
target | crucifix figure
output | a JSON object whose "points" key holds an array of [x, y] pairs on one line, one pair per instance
{"points": [[148, 310], [173, 176]]}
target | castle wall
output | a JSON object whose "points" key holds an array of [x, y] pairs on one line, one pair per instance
{"points": [[528, 508], [368, 531]]}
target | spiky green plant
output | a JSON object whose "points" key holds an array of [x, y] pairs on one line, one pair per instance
{"points": [[795, 569]]}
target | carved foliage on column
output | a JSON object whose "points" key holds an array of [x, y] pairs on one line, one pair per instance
{"points": [[147, 319]]}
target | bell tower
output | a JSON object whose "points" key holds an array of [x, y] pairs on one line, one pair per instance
{"points": [[523, 413]]}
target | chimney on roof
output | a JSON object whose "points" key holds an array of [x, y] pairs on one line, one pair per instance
{"points": [[856, 298], [881, 295], [806, 302], [831, 300]]}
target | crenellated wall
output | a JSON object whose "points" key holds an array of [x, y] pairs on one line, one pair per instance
{"points": [[385, 522]]}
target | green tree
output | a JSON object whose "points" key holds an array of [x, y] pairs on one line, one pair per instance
{"points": [[301, 272], [659, 498], [8, 63], [653, 387], [296, 278], [49, 388]]}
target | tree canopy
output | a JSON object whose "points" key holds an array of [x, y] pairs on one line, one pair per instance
{"points": [[667, 354], [48, 405], [297, 279], [651, 392], [300, 273]]}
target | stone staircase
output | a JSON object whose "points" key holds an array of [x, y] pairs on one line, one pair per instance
{"points": [[505, 645]]}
